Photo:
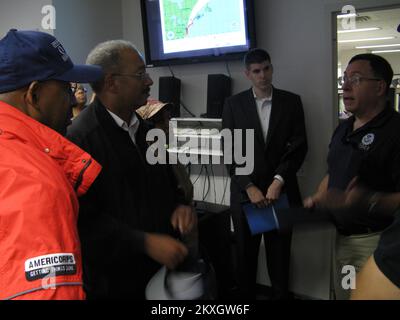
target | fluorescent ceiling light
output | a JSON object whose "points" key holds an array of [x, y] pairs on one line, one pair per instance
{"points": [[385, 51], [348, 15], [359, 30], [379, 46], [368, 39]]}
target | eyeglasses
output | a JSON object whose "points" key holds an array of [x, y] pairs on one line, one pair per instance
{"points": [[140, 75], [76, 89], [355, 80], [79, 89]]}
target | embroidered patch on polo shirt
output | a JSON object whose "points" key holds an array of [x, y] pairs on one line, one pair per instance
{"points": [[366, 141]]}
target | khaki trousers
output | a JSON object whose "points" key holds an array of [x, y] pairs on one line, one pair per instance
{"points": [[351, 251]]}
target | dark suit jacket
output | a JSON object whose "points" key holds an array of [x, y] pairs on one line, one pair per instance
{"points": [[128, 198], [284, 150]]}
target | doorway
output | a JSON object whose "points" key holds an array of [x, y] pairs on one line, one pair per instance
{"points": [[368, 31]]}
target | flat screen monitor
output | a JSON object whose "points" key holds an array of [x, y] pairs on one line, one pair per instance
{"points": [[191, 31]]}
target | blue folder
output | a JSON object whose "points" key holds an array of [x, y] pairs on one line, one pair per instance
{"points": [[264, 219]]}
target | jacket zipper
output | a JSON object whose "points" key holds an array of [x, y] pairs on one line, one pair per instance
{"points": [[80, 177]]}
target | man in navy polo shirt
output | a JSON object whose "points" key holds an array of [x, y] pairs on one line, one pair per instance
{"points": [[361, 189]]}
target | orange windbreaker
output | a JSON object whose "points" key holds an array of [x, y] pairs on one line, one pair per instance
{"points": [[41, 176]]}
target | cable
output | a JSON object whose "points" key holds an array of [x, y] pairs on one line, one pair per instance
{"points": [[198, 176], [184, 107], [227, 68], [226, 186], [170, 70], [209, 183], [205, 179], [204, 185], [215, 191]]}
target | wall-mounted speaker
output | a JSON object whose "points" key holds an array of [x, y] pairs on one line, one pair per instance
{"points": [[169, 90], [218, 89]]}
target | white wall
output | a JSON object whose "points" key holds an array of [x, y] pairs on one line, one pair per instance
{"points": [[80, 25], [83, 24], [22, 15]]}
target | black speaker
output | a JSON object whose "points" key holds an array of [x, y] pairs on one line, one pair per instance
{"points": [[218, 89], [169, 90]]}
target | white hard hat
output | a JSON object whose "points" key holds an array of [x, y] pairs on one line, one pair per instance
{"points": [[193, 280]]}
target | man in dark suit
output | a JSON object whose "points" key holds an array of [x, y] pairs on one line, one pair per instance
{"points": [[129, 219], [280, 147]]}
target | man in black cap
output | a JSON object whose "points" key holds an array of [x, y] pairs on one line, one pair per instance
{"points": [[42, 173]]}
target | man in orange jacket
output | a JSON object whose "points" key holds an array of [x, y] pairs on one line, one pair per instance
{"points": [[42, 173]]}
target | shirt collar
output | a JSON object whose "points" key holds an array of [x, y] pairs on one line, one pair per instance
{"points": [[378, 121], [133, 123], [263, 99]]}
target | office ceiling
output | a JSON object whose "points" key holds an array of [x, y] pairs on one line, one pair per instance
{"points": [[387, 20]]}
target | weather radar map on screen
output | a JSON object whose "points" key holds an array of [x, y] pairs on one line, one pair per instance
{"points": [[177, 29], [191, 24]]}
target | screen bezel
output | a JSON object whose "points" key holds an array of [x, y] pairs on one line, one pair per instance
{"points": [[150, 62]]}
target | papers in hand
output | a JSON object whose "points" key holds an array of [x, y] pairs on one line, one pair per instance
{"points": [[264, 219]]}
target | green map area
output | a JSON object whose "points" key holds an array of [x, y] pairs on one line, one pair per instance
{"points": [[176, 17]]}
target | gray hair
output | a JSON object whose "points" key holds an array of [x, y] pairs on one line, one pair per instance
{"points": [[108, 56]]}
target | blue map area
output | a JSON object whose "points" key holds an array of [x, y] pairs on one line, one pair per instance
{"points": [[216, 17]]}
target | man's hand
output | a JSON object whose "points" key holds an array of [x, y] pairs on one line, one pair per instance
{"points": [[274, 191], [256, 196], [165, 249], [309, 202], [355, 194], [337, 199], [184, 219], [318, 200]]}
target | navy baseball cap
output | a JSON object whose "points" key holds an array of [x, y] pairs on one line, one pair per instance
{"points": [[27, 56]]}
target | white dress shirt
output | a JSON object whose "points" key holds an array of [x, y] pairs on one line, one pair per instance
{"points": [[131, 128], [264, 112], [264, 106]]}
